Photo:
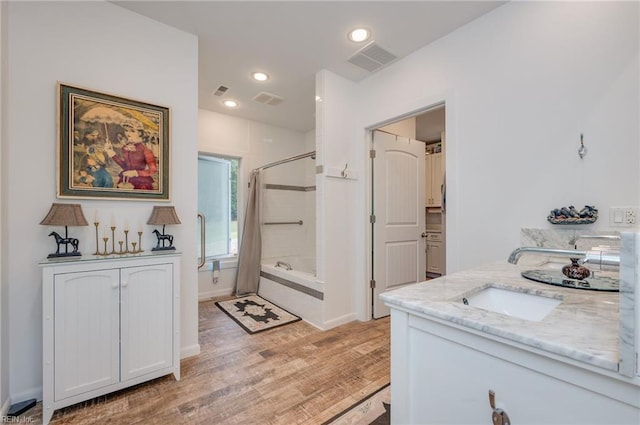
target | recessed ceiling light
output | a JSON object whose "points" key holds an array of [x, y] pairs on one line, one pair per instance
{"points": [[359, 34], [259, 76], [230, 103]]}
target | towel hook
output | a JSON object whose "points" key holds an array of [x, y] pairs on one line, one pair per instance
{"points": [[344, 171], [582, 152]]}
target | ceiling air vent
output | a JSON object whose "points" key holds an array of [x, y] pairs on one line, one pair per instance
{"points": [[371, 57], [221, 90], [268, 98]]}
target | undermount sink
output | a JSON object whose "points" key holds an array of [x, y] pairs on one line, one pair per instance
{"points": [[511, 303]]}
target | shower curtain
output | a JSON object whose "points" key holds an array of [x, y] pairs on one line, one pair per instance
{"points": [[250, 254]]}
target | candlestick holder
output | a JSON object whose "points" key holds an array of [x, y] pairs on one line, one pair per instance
{"points": [[120, 242], [133, 244], [126, 240], [95, 223], [139, 241], [105, 239], [113, 239]]}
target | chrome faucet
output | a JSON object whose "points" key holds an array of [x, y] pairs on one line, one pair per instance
{"points": [[518, 252], [598, 258], [287, 266]]}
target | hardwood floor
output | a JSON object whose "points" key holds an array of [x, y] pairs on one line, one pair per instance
{"points": [[294, 374]]}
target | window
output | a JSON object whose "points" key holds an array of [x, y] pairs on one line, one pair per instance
{"points": [[217, 200]]}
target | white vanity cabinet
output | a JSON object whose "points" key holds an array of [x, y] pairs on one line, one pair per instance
{"points": [[108, 323], [441, 373]]}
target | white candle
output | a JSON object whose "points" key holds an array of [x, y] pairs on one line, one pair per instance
{"points": [[95, 216]]}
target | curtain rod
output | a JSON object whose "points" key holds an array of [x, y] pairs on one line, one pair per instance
{"points": [[283, 161]]}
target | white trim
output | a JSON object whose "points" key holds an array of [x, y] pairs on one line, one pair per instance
{"points": [[192, 350], [339, 321], [24, 395], [204, 296], [5, 407]]}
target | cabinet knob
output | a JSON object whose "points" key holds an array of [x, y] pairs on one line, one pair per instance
{"points": [[498, 416]]}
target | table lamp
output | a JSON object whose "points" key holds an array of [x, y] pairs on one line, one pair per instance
{"points": [[164, 216], [65, 215]]}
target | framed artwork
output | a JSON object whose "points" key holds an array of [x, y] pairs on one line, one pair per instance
{"points": [[111, 147]]}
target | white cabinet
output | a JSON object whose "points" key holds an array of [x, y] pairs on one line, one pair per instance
{"points": [[441, 373], [435, 251], [108, 323], [434, 175]]}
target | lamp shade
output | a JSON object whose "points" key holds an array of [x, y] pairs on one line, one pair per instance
{"points": [[65, 215], [163, 215]]}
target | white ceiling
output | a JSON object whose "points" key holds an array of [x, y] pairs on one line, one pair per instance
{"points": [[292, 41]]}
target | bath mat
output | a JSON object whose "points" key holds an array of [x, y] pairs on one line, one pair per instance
{"points": [[255, 314], [374, 409]]}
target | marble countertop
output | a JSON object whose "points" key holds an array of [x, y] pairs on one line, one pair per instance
{"points": [[584, 327]]}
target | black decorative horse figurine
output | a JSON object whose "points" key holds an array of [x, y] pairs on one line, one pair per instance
{"points": [[162, 237], [66, 242]]}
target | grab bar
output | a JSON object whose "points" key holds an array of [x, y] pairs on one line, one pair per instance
{"points": [[202, 241], [300, 222]]}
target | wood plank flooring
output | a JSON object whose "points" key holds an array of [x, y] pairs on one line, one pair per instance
{"points": [[294, 374]]}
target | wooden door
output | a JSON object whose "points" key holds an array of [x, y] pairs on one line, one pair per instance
{"points": [[398, 206]]}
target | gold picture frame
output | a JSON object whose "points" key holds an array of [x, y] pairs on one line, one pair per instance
{"points": [[111, 147]]}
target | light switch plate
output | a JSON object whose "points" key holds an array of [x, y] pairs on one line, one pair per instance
{"points": [[624, 216]]}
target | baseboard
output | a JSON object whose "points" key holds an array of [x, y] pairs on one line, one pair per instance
{"points": [[190, 351], [339, 321], [214, 293], [25, 395], [5, 407]]}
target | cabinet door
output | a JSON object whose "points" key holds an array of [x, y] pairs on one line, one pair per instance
{"points": [[437, 179], [146, 319], [86, 328], [434, 257]]}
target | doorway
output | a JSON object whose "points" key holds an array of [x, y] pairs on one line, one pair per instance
{"points": [[408, 203]]}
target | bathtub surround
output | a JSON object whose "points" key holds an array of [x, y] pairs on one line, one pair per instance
{"points": [[297, 290], [248, 275], [255, 314]]}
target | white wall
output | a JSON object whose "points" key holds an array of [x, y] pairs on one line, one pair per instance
{"points": [[520, 84], [337, 233], [4, 282], [103, 47], [255, 144], [406, 128]]}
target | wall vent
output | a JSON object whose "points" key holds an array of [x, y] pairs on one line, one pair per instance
{"points": [[268, 98], [372, 57], [221, 90]]}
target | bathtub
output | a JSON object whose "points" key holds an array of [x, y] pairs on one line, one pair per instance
{"points": [[296, 290]]}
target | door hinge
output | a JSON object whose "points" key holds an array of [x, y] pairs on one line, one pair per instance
{"points": [[372, 153], [372, 218], [372, 284]]}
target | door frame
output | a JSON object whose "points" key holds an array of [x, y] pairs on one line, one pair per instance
{"points": [[450, 171]]}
